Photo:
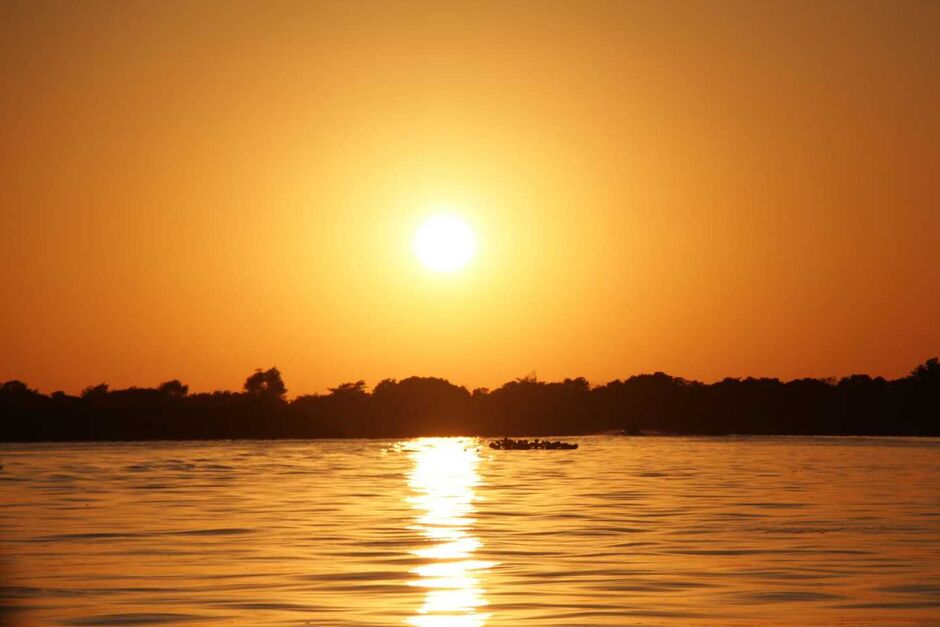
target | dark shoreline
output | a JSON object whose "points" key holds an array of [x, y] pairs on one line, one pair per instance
{"points": [[724, 437], [858, 405]]}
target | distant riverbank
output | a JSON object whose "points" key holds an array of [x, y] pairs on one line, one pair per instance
{"points": [[428, 406]]}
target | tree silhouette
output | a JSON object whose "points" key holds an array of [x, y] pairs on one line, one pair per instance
{"points": [[352, 389], [266, 384], [173, 388], [927, 372], [95, 391], [14, 388], [415, 406]]}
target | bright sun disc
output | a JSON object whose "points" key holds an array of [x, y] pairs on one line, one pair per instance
{"points": [[444, 243]]}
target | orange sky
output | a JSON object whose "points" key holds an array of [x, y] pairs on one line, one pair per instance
{"points": [[711, 189]]}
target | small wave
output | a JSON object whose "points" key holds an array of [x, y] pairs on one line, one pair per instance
{"points": [[229, 531], [144, 618], [786, 596], [906, 605], [67, 537]]}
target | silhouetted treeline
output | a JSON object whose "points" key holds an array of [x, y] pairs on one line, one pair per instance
{"points": [[855, 405]]}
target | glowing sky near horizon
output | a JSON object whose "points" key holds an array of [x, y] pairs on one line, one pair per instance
{"points": [[195, 190]]}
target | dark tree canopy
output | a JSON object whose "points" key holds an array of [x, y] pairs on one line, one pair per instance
{"points": [[351, 389], [645, 403], [266, 384], [95, 390], [173, 388], [927, 371], [14, 387]]}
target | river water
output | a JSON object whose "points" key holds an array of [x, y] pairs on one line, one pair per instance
{"points": [[428, 532]]}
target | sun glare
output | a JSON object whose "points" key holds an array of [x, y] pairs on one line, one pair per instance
{"points": [[444, 243], [443, 483]]}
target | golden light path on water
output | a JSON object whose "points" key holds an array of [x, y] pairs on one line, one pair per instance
{"points": [[443, 481]]}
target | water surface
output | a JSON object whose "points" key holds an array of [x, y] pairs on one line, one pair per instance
{"points": [[651, 531]]}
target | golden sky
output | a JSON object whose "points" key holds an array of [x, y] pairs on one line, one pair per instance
{"points": [[711, 189]]}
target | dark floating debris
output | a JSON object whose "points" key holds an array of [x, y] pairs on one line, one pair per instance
{"points": [[508, 444]]}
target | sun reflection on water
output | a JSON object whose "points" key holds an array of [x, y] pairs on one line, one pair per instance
{"points": [[442, 482]]}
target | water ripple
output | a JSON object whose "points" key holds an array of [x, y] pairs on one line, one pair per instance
{"points": [[653, 531]]}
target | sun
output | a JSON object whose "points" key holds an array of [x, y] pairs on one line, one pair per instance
{"points": [[444, 243]]}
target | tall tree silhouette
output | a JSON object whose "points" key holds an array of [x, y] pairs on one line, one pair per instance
{"points": [[266, 384]]}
